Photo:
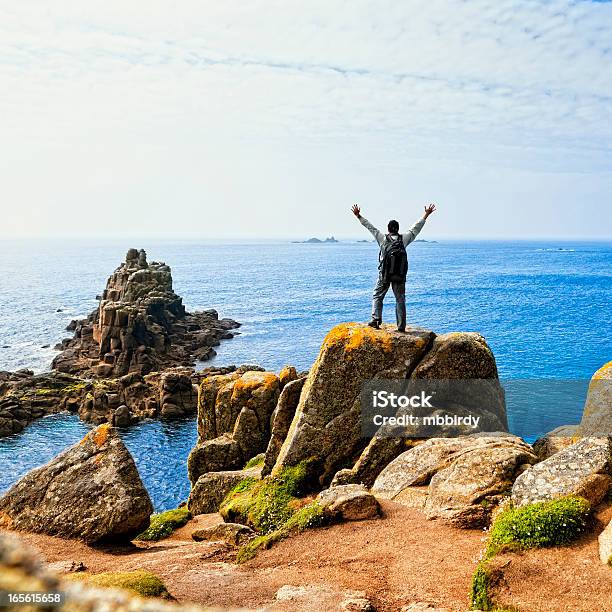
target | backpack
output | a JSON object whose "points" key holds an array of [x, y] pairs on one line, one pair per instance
{"points": [[393, 264]]}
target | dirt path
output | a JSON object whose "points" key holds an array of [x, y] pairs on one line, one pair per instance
{"points": [[397, 560]]}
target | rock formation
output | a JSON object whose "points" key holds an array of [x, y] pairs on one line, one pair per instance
{"points": [[92, 491], [583, 469], [122, 401], [211, 488], [327, 424], [25, 397], [282, 418], [459, 480], [139, 326], [234, 412]]}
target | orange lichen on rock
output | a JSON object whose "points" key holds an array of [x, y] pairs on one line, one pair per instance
{"points": [[604, 372], [5, 520], [100, 434], [356, 335], [250, 381]]}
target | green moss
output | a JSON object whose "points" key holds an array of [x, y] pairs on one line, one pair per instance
{"points": [[75, 388], [140, 582], [266, 504], [45, 391], [307, 517], [479, 593], [255, 461], [164, 523], [550, 523]]}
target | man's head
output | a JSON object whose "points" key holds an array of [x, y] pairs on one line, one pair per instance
{"points": [[393, 226]]}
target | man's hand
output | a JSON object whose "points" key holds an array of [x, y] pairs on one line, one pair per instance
{"points": [[430, 208], [356, 210]]}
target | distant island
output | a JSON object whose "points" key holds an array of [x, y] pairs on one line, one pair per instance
{"points": [[329, 240]]}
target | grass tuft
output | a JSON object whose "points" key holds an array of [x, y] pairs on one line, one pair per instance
{"points": [[550, 523], [479, 593], [311, 515], [164, 523], [140, 582]]}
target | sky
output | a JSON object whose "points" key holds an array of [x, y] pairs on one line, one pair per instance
{"points": [[267, 119]]}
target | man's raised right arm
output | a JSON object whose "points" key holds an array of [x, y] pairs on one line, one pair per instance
{"points": [[378, 235]]}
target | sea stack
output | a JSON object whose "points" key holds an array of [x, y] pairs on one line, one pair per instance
{"points": [[140, 325]]}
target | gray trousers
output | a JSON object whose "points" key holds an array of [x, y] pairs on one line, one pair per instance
{"points": [[399, 290]]}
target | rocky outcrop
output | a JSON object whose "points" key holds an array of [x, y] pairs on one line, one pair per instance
{"points": [[122, 401], [282, 418], [327, 423], [583, 469], [597, 414], [211, 488], [92, 492], [234, 413], [140, 326], [25, 397], [466, 477], [351, 502]]}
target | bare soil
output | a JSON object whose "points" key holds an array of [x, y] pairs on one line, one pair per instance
{"points": [[397, 560]]}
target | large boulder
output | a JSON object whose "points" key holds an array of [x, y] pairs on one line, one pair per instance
{"points": [[597, 414], [327, 422], [584, 469], [465, 492], [234, 414], [466, 477], [92, 491], [327, 425]]}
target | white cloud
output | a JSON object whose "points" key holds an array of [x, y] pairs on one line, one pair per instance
{"points": [[109, 109]]}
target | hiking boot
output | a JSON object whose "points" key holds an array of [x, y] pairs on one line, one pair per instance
{"points": [[375, 323], [402, 330]]}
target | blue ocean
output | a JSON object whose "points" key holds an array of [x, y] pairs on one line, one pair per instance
{"points": [[544, 308]]}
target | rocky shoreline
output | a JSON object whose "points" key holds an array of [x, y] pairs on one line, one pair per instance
{"points": [[131, 358], [283, 456]]}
